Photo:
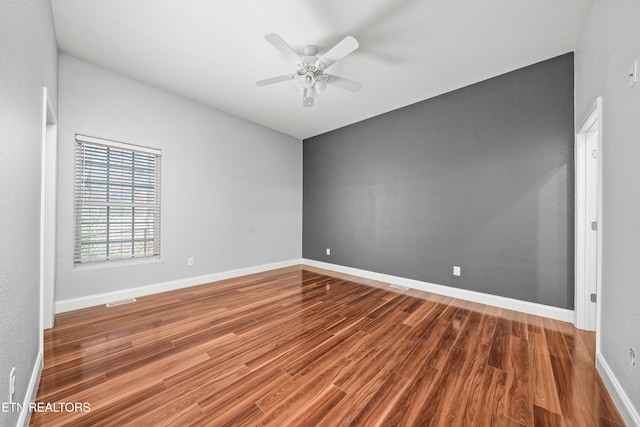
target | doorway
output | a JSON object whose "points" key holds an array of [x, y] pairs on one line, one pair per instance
{"points": [[588, 241], [48, 213]]}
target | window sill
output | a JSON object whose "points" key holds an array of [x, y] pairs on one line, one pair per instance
{"points": [[119, 263]]}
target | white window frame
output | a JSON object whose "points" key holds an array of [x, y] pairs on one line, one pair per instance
{"points": [[119, 235]]}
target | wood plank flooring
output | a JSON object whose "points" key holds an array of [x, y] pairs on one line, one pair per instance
{"points": [[305, 347]]}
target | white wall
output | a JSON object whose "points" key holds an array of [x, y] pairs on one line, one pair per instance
{"points": [[231, 189], [28, 61], [608, 45]]}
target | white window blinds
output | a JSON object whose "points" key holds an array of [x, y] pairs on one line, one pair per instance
{"points": [[117, 201]]}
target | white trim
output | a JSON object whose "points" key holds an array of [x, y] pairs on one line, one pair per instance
{"points": [[625, 406], [123, 145], [581, 315], [98, 299], [116, 263], [494, 300], [47, 213], [601, 228], [584, 311], [32, 390]]}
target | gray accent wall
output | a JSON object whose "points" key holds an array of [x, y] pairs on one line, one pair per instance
{"points": [[480, 178], [28, 61], [231, 189], [609, 44]]}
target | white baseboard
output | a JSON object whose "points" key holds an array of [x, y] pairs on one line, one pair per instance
{"points": [[32, 390], [497, 301], [494, 300], [625, 406], [99, 299]]}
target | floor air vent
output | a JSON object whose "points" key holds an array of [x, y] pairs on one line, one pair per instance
{"points": [[121, 302], [402, 288]]}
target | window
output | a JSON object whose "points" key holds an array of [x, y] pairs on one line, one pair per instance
{"points": [[117, 201]]}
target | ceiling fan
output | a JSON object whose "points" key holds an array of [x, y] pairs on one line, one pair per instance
{"points": [[311, 68]]}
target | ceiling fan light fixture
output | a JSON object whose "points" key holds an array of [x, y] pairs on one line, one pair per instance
{"points": [[309, 79]]}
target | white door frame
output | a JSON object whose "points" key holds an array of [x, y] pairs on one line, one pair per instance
{"points": [[48, 213], [586, 313]]}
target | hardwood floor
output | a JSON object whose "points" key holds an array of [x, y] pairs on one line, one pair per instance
{"points": [[299, 347]]}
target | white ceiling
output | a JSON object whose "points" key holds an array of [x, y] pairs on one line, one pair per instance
{"points": [[213, 51]]}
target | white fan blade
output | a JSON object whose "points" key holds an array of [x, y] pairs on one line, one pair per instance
{"points": [[344, 84], [277, 79], [307, 98], [283, 47], [336, 53]]}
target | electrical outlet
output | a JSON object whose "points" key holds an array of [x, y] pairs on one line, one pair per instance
{"points": [[328, 251], [191, 261], [632, 357], [456, 270], [12, 384]]}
